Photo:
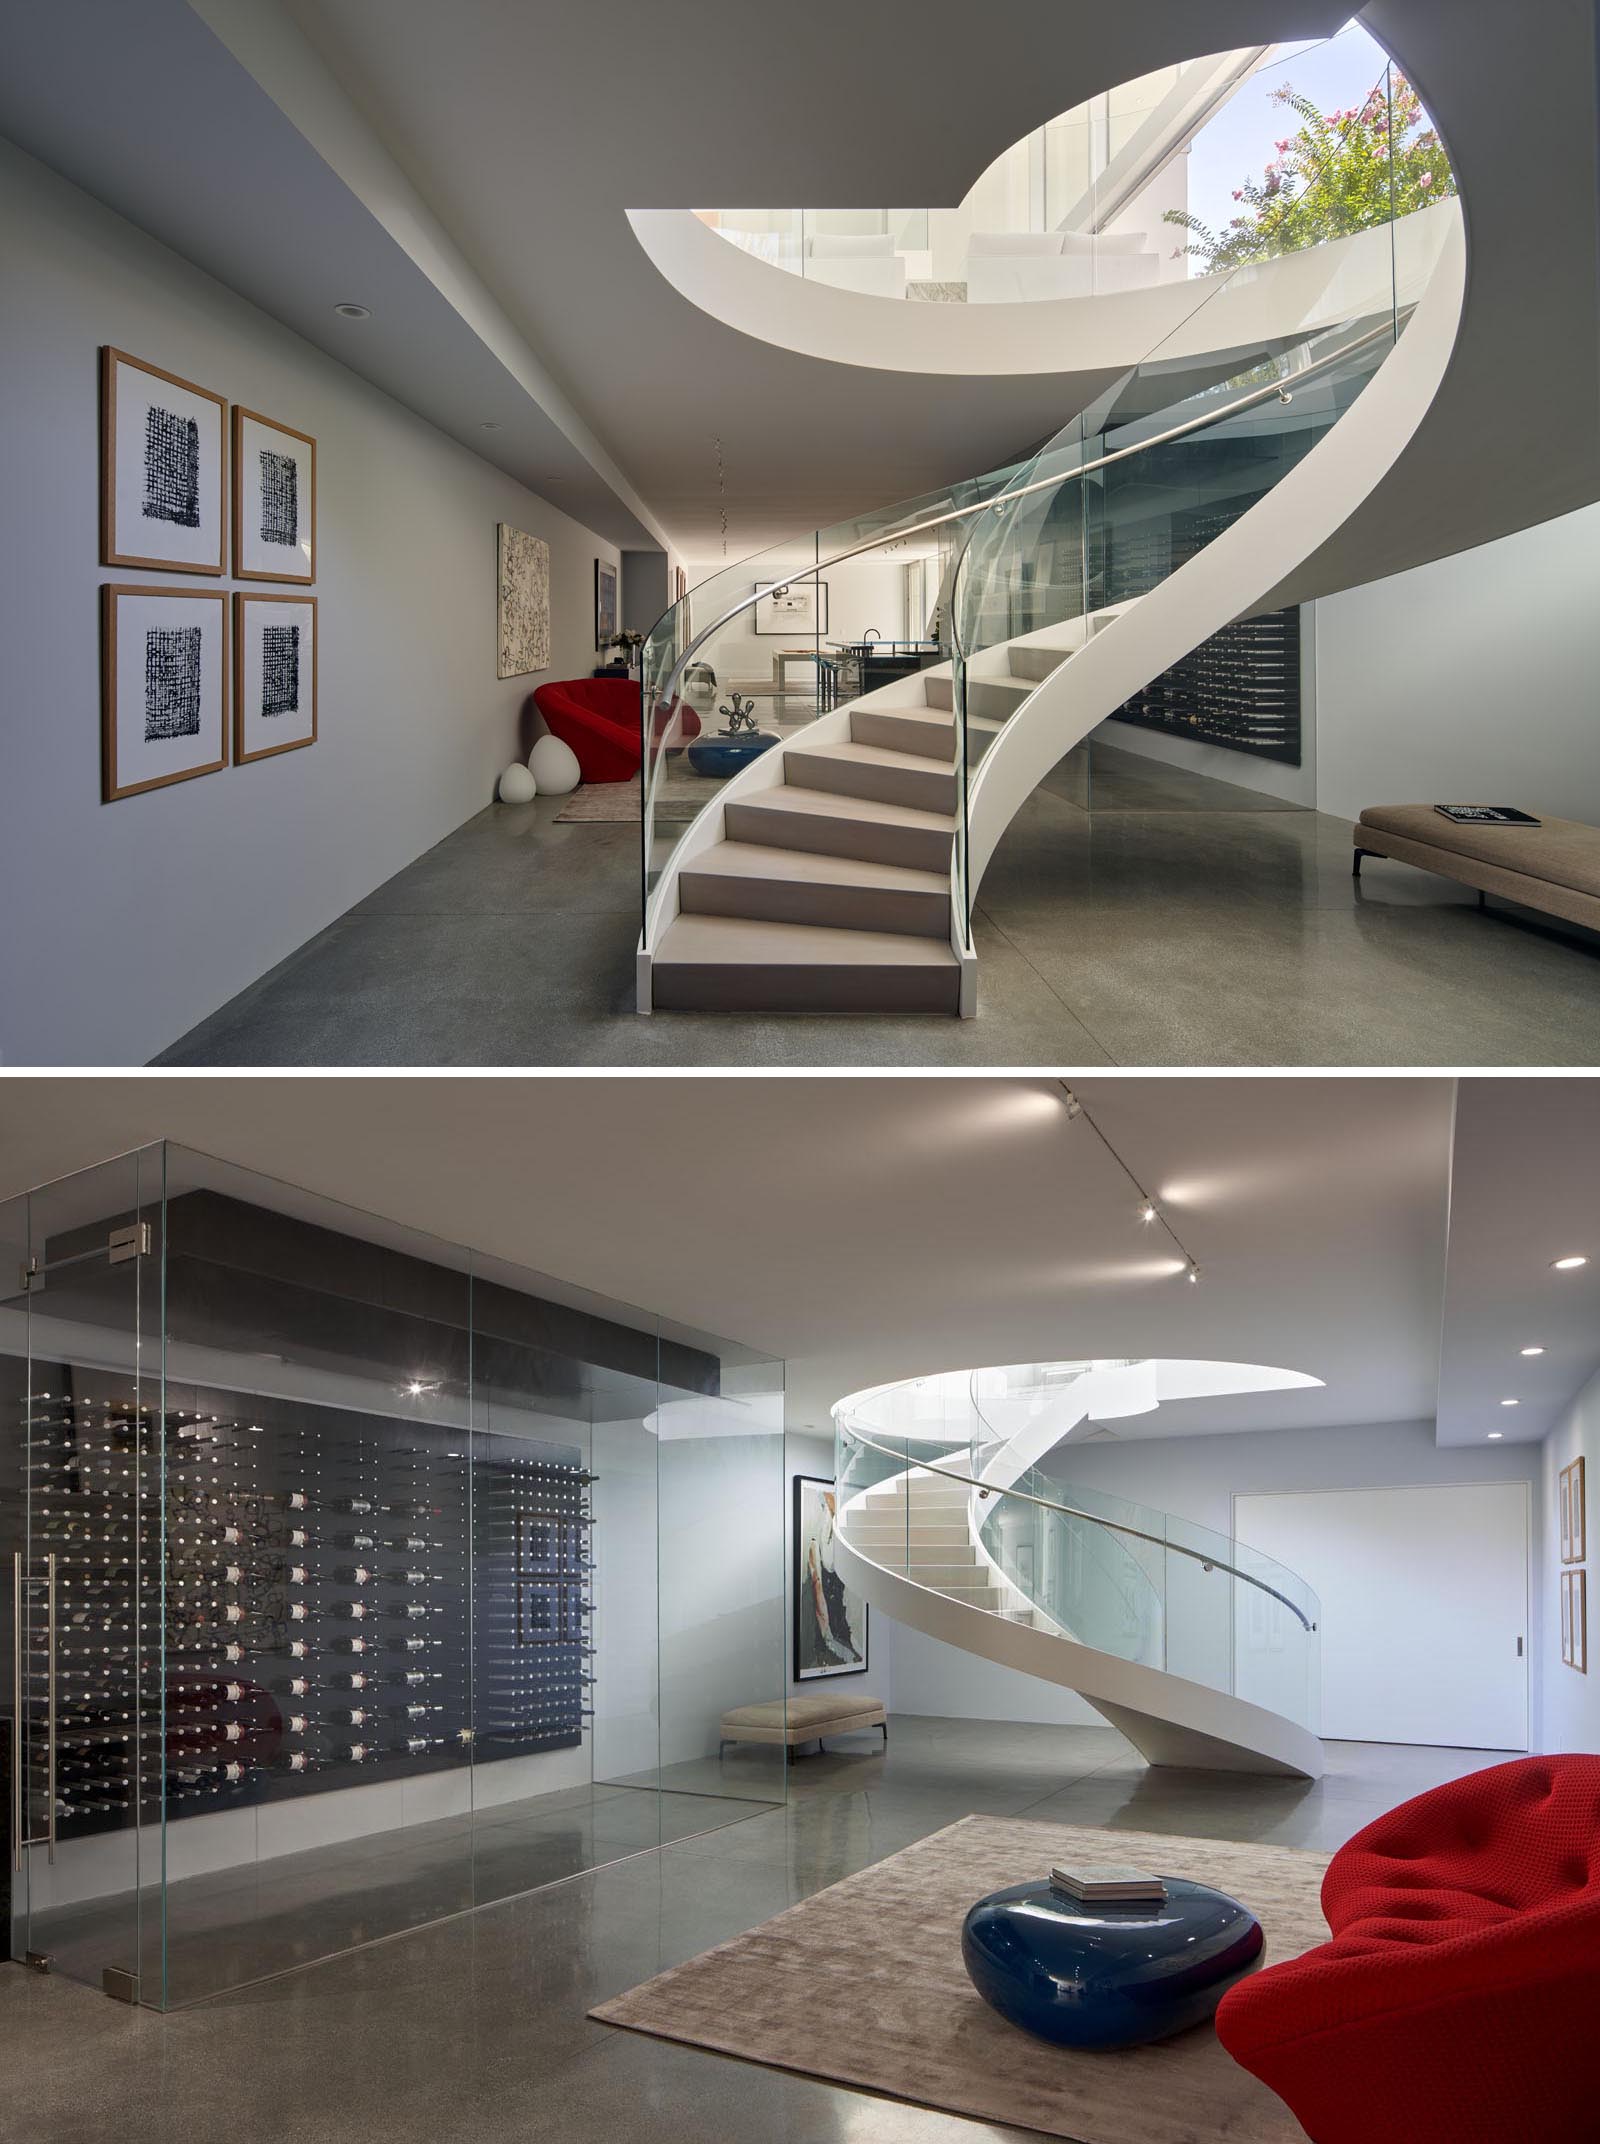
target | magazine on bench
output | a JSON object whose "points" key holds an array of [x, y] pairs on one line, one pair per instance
{"points": [[1487, 815]]}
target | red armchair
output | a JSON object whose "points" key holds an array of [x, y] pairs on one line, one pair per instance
{"points": [[1455, 2002], [599, 718]]}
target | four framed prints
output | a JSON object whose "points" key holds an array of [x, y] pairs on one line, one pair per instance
{"points": [[174, 695]]}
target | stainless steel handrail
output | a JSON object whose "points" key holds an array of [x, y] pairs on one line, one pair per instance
{"points": [[1070, 1511]]}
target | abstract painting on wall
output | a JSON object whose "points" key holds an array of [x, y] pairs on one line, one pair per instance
{"points": [[274, 675], [795, 609], [161, 468], [164, 690], [830, 1621], [605, 603], [524, 603], [274, 500]]}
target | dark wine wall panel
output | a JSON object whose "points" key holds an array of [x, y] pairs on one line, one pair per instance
{"points": [[1240, 689], [324, 1597]]}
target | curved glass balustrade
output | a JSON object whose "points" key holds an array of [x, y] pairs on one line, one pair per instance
{"points": [[1258, 363], [954, 1505], [1158, 180]]}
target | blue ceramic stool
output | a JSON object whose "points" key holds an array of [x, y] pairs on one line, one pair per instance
{"points": [[721, 756], [1107, 1975]]}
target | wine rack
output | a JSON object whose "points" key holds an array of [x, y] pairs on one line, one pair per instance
{"points": [[247, 1599]]}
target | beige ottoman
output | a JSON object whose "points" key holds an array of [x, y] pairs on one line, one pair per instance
{"points": [[803, 1719], [1554, 867]]}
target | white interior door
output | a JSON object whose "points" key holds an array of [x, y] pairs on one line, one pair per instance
{"points": [[1424, 1607]]}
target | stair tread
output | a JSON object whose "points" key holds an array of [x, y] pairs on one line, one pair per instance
{"points": [[829, 804], [743, 941], [862, 755], [751, 859]]}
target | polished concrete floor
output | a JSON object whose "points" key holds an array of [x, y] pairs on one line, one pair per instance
{"points": [[1179, 921], [474, 2031]]}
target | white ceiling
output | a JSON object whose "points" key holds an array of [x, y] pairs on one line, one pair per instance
{"points": [[466, 170], [874, 1228], [1524, 1190]]}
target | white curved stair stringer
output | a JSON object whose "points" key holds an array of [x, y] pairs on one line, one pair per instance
{"points": [[1232, 575], [1169, 1719]]}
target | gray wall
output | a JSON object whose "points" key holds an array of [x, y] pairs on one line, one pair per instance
{"points": [[1570, 1714], [128, 922], [1474, 680]]}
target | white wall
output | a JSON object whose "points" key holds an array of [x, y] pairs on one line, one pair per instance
{"points": [[1473, 679], [862, 593], [131, 921], [1570, 1713]]}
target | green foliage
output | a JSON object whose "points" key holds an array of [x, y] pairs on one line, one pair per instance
{"points": [[1339, 172]]}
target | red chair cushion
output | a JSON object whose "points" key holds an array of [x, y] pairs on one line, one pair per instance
{"points": [[1452, 2004], [599, 718]]}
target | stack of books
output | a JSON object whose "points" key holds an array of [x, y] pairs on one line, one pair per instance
{"points": [[1107, 1883]]}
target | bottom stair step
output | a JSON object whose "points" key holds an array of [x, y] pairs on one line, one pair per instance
{"points": [[736, 964]]}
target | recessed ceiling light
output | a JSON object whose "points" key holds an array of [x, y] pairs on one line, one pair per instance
{"points": [[349, 310], [1508, 1403], [1532, 1351], [1495, 1436], [489, 425], [1567, 1265]]}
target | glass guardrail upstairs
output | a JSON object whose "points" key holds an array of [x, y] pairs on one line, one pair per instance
{"points": [[1260, 357], [956, 1510]]}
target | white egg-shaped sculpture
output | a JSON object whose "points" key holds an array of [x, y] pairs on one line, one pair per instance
{"points": [[554, 766], [517, 785]]}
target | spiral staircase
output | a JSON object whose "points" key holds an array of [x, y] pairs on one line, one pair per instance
{"points": [[837, 871], [1203, 1653]]}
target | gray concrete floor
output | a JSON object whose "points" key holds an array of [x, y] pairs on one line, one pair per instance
{"points": [[1180, 921], [475, 2029]]}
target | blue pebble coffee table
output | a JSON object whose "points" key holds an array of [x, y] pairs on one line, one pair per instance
{"points": [[721, 756], [1107, 1975]]}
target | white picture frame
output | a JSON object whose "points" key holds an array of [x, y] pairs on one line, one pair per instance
{"points": [[162, 468], [792, 610], [164, 687]]}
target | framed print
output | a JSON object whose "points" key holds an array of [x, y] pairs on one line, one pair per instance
{"points": [[164, 687], [680, 584], [274, 674], [792, 608], [161, 468], [1579, 1582], [1574, 1514], [830, 1621], [274, 500], [523, 603], [1566, 1618], [605, 603]]}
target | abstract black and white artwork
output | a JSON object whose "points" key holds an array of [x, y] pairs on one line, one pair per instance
{"points": [[830, 1621], [523, 606], [274, 500], [798, 610], [165, 694], [605, 604], [275, 674], [162, 468]]}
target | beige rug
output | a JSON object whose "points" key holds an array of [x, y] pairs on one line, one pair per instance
{"points": [[864, 1984], [618, 803]]}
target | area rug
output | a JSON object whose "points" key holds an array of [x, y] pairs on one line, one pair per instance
{"points": [[864, 1984]]}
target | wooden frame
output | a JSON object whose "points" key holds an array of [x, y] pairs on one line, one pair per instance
{"points": [[1575, 1620], [242, 597], [110, 552], [112, 789], [799, 1581], [603, 638], [1574, 1513], [241, 572]]}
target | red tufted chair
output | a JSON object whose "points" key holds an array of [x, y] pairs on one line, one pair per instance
{"points": [[1457, 1999], [599, 718]]}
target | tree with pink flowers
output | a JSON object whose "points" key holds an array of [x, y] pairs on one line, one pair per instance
{"points": [[1340, 172]]}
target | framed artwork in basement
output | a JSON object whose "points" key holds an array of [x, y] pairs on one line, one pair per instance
{"points": [[274, 675], [1574, 1516], [1575, 1620], [605, 603], [163, 687], [830, 1620], [274, 500], [161, 468]]}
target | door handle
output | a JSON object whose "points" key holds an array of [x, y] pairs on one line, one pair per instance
{"points": [[1519, 1648]]}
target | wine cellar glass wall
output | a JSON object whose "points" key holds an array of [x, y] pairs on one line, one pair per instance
{"points": [[353, 1580]]}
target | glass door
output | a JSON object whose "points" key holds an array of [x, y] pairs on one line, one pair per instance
{"points": [[83, 1430]]}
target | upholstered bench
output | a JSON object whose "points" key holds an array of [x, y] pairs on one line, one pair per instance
{"points": [[1554, 866], [803, 1719]]}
